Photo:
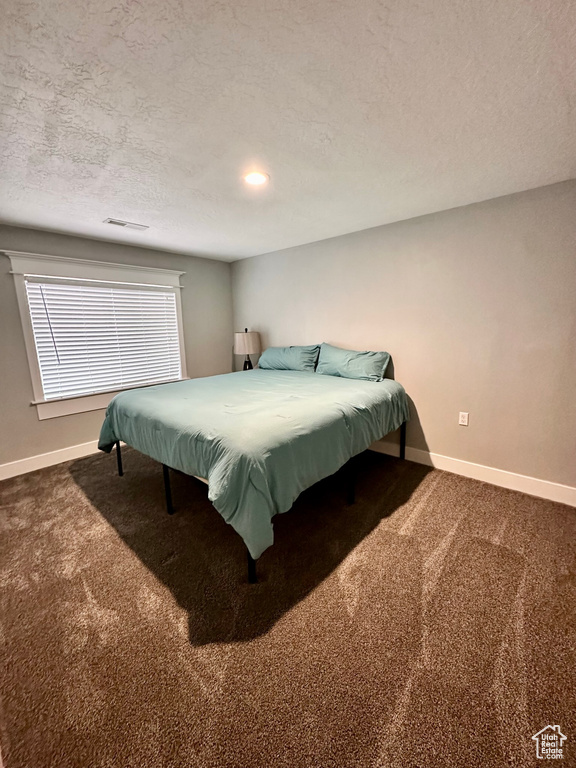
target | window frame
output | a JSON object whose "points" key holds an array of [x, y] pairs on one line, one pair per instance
{"points": [[54, 267]]}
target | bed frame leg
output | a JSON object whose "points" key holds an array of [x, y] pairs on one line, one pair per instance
{"points": [[119, 459], [167, 490], [252, 577], [403, 440], [351, 481]]}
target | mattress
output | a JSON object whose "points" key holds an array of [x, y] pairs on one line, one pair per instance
{"points": [[258, 437]]}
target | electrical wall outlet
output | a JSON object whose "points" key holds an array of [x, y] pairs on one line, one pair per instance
{"points": [[463, 418]]}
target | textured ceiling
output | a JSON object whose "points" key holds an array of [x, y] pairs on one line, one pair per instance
{"points": [[363, 113]]}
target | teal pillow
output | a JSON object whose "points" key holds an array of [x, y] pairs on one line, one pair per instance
{"points": [[349, 364], [289, 358]]}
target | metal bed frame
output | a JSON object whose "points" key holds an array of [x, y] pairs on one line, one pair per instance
{"points": [[252, 575]]}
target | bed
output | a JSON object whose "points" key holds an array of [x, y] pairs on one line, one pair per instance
{"points": [[258, 438]]}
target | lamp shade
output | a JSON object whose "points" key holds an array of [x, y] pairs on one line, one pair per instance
{"points": [[247, 343]]}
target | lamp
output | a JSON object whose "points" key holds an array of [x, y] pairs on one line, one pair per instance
{"points": [[247, 343]]}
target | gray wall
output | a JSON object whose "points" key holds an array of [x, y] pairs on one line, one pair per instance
{"points": [[207, 317], [477, 306]]}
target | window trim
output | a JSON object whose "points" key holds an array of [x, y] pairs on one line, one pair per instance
{"points": [[41, 265]]}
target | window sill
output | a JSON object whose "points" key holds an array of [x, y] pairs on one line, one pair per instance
{"points": [[66, 406]]}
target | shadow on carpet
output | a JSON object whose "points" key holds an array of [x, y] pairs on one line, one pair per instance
{"points": [[202, 560]]}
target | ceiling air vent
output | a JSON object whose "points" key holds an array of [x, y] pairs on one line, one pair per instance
{"points": [[125, 224]]}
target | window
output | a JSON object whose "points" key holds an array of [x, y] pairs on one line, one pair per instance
{"points": [[96, 338], [92, 329]]}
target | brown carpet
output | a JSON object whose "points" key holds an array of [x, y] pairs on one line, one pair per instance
{"points": [[430, 624]]}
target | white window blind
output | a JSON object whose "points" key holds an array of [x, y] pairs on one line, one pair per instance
{"points": [[94, 336]]}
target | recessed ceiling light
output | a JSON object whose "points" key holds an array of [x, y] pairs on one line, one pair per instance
{"points": [[256, 179]]}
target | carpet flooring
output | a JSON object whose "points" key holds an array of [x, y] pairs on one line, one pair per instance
{"points": [[430, 624]]}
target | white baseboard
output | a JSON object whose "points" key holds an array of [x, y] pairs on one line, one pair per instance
{"points": [[565, 494], [20, 467]]}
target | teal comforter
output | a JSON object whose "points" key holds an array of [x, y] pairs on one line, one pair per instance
{"points": [[258, 437]]}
